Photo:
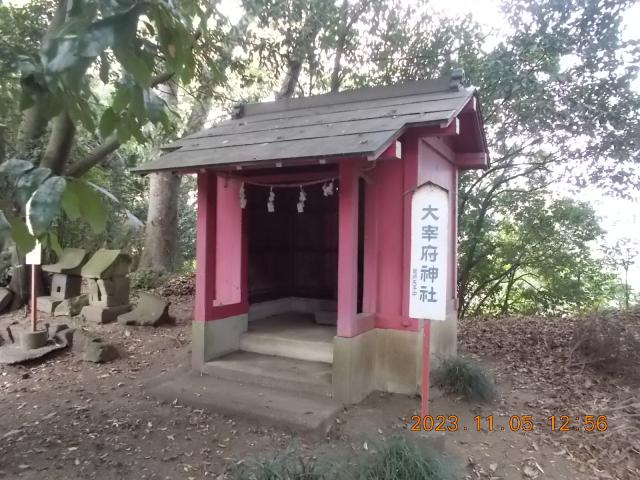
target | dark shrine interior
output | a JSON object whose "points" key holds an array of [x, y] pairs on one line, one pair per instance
{"points": [[294, 254]]}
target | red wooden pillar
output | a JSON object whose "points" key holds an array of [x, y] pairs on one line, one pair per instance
{"points": [[205, 246], [348, 249]]}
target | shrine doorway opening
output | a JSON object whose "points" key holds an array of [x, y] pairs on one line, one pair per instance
{"points": [[292, 270]]}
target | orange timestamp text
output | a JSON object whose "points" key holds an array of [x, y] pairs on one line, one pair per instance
{"points": [[514, 423]]}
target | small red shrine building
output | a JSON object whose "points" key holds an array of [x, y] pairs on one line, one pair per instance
{"points": [[304, 211]]}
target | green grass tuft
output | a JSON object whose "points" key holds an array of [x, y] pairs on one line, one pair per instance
{"points": [[285, 466], [459, 376], [402, 459], [396, 459]]}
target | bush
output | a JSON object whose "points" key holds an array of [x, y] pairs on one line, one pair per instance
{"points": [[147, 279], [401, 459], [459, 376]]}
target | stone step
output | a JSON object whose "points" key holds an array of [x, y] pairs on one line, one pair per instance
{"points": [[296, 411], [268, 343], [274, 372]]}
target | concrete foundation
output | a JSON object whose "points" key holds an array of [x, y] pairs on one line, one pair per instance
{"points": [[354, 367], [380, 359], [443, 341], [216, 338]]}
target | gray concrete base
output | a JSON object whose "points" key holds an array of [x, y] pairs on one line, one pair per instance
{"points": [[380, 359], [296, 411], [354, 367], [443, 341], [216, 338]]}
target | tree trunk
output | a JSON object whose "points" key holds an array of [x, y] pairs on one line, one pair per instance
{"points": [[60, 142], [290, 80], [160, 250], [161, 232], [32, 128], [340, 44]]}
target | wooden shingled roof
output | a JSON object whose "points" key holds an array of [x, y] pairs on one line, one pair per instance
{"points": [[360, 122]]}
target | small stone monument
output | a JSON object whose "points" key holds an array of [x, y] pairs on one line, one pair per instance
{"points": [[66, 280], [106, 275]]}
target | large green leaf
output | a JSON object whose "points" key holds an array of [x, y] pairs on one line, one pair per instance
{"points": [[70, 202], [121, 98], [44, 204], [54, 243], [25, 242], [92, 207], [108, 122], [133, 62], [29, 182], [14, 168]]}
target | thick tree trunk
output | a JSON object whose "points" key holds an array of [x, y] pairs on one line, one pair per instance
{"points": [[161, 232], [160, 250], [32, 128], [60, 142]]}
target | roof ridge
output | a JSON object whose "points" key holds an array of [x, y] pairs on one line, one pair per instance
{"points": [[361, 94]]}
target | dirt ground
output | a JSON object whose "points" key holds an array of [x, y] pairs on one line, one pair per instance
{"points": [[66, 419]]}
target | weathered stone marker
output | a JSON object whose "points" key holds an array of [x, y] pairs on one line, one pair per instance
{"points": [[105, 273], [66, 282], [151, 310]]}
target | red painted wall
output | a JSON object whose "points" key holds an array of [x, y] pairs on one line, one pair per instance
{"points": [[387, 226]]}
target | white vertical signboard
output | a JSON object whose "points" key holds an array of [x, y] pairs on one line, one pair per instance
{"points": [[429, 253], [34, 257]]}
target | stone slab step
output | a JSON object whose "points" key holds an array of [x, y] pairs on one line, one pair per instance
{"points": [[298, 412], [275, 372], [268, 343]]}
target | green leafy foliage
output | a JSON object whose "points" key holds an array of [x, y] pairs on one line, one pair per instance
{"points": [[462, 377], [537, 257], [25, 242], [44, 205], [84, 199], [147, 279]]}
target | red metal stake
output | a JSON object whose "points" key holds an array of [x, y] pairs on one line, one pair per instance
{"points": [[426, 334], [34, 300]]}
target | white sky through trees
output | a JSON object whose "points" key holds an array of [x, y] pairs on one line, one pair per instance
{"points": [[619, 217]]}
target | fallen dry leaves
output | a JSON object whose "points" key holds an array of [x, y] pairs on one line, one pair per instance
{"points": [[539, 354]]}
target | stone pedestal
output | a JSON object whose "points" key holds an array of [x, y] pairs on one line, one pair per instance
{"points": [[65, 286], [109, 292], [47, 304]]}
